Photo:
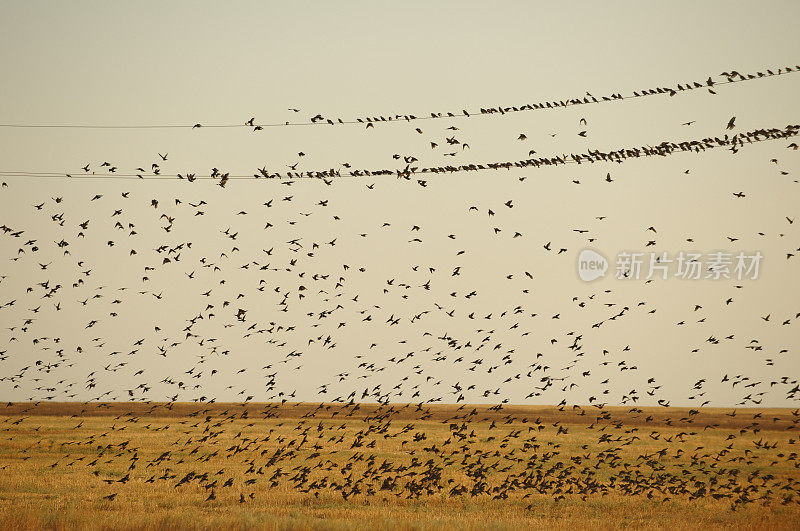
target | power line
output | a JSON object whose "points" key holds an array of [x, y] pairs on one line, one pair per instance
{"points": [[662, 149], [369, 121]]}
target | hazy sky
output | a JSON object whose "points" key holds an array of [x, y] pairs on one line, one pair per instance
{"points": [[153, 63]]}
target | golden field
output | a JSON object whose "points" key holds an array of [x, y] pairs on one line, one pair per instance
{"points": [[285, 466]]}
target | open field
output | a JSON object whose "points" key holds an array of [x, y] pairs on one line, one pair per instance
{"points": [[311, 465]]}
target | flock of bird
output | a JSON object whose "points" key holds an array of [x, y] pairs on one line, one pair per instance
{"points": [[140, 296], [724, 78]]}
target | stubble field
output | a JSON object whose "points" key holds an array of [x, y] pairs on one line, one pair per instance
{"points": [[402, 466]]}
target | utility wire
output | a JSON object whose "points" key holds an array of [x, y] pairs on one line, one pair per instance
{"points": [[663, 149], [730, 78]]}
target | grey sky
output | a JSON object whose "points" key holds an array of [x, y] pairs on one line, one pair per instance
{"points": [[100, 63]]}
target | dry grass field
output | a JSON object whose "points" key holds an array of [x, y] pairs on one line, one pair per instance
{"points": [[321, 466]]}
